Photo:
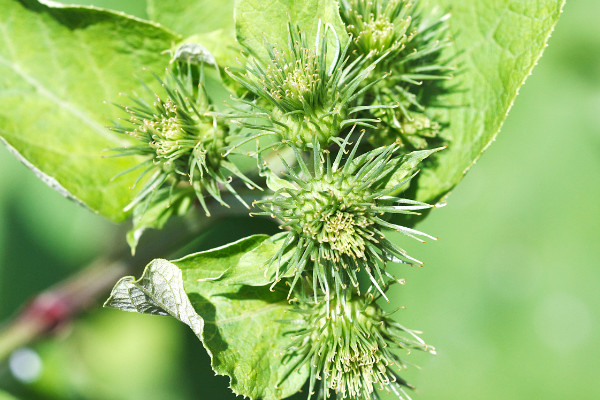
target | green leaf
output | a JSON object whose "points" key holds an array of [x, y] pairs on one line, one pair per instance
{"points": [[214, 264], [497, 43], [247, 265], [190, 17], [252, 268], [156, 214], [57, 65], [239, 322], [244, 336], [260, 20]]}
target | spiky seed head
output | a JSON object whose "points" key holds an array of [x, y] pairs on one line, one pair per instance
{"points": [[307, 90], [180, 139], [351, 350], [335, 215], [415, 39], [174, 134], [296, 80]]}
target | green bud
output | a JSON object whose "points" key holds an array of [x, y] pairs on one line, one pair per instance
{"points": [[334, 217], [180, 140], [306, 91], [351, 350], [378, 26]]}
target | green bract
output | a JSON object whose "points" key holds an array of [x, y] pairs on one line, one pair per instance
{"points": [[335, 215]]}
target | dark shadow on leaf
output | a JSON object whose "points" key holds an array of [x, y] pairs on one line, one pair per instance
{"points": [[73, 19], [208, 312], [261, 293]]}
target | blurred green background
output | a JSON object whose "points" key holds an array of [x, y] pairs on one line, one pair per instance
{"points": [[509, 295]]}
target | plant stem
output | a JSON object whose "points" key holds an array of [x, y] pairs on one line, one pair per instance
{"points": [[60, 303], [66, 300]]}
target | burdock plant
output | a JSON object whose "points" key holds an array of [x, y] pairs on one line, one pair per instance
{"points": [[327, 109], [334, 201]]}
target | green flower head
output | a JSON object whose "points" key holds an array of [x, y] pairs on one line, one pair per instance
{"points": [[180, 141], [306, 91], [351, 350], [377, 26], [334, 216], [415, 63]]}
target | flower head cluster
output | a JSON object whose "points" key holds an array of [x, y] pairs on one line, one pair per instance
{"points": [[352, 350], [334, 215], [180, 141], [335, 201], [306, 91], [415, 44]]}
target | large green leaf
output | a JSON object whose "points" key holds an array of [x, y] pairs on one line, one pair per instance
{"points": [[190, 17], [257, 21], [57, 66], [236, 323], [496, 45]]}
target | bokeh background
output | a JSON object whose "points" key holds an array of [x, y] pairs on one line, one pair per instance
{"points": [[509, 296]]}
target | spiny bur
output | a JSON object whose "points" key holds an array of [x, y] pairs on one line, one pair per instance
{"points": [[334, 215], [352, 350], [180, 141], [414, 64], [306, 90]]}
